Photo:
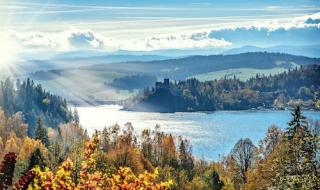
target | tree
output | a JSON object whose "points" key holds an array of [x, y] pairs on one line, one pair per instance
{"points": [[36, 159], [169, 151], [185, 157], [301, 156], [8, 93], [24, 181], [298, 159], [76, 118], [243, 154], [7, 169], [213, 180], [41, 133], [269, 143], [297, 121], [147, 148]]}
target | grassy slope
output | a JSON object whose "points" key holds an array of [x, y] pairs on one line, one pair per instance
{"points": [[242, 74]]}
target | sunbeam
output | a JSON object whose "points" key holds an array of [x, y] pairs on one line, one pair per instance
{"points": [[9, 55]]}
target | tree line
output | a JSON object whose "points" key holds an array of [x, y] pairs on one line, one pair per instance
{"points": [[34, 102], [296, 86], [119, 158]]}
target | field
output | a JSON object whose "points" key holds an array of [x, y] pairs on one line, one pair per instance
{"points": [[243, 73]]}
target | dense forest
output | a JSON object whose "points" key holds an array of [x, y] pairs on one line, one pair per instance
{"points": [[115, 159], [34, 103], [299, 85]]}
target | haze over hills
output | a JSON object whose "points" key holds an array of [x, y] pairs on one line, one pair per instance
{"points": [[81, 58], [97, 81], [86, 58]]}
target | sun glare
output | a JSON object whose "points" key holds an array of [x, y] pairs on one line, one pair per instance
{"points": [[8, 53]]}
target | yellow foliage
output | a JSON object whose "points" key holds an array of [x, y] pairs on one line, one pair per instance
{"points": [[90, 178], [126, 179], [12, 144], [318, 104], [28, 146]]}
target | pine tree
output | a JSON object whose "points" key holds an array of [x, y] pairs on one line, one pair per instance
{"points": [[41, 133], [301, 155], [36, 159], [76, 118], [297, 121], [298, 154], [185, 157], [213, 181]]}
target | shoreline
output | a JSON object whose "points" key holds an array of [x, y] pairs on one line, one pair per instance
{"points": [[121, 108]]}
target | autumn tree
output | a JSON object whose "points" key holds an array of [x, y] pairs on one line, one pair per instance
{"points": [[7, 169], [269, 142], [243, 153], [24, 181]]}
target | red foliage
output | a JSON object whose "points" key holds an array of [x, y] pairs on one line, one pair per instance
{"points": [[24, 181], [7, 169]]}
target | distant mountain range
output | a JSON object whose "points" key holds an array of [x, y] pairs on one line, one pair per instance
{"points": [[85, 58], [308, 51]]}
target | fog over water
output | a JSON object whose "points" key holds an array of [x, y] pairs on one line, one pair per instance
{"points": [[211, 134]]}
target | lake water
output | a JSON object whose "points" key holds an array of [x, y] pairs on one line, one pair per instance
{"points": [[212, 135]]}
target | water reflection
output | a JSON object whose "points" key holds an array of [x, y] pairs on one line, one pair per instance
{"points": [[211, 134]]}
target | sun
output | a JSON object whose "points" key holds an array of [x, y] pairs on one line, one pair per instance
{"points": [[8, 53]]}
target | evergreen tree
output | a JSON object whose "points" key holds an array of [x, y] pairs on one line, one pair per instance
{"points": [[41, 133], [297, 121], [301, 155], [213, 181], [185, 157], [36, 159], [298, 152], [76, 118]]}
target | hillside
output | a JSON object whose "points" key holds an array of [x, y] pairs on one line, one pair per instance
{"points": [[34, 103], [97, 80], [260, 92], [179, 69], [308, 51]]}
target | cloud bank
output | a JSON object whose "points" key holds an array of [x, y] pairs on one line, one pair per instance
{"points": [[90, 40], [296, 31]]}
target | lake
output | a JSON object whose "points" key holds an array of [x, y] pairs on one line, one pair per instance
{"points": [[212, 135]]}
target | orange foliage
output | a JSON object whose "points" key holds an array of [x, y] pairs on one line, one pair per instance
{"points": [[91, 179]]}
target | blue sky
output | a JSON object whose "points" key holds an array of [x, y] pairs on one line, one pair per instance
{"points": [[70, 25]]}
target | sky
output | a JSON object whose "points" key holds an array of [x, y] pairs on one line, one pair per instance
{"points": [[34, 26]]}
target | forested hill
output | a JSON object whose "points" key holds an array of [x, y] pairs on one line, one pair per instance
{"points": [[278, 91], [34, 103], [182, 68]]}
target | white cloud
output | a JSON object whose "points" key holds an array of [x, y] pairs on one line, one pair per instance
{"points": [[87, 39], [274, 23], [79, 39]]}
